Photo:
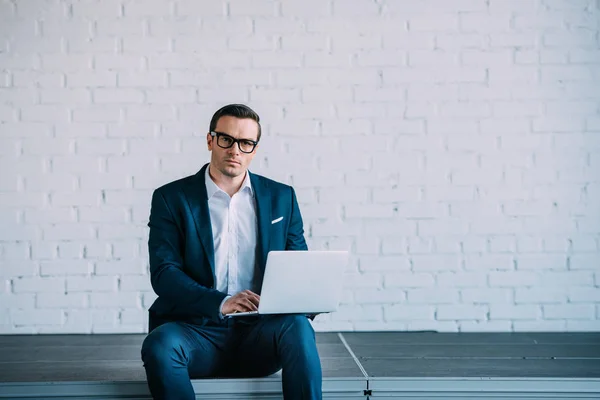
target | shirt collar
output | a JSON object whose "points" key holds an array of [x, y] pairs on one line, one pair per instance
{"points": [[212, 188]]}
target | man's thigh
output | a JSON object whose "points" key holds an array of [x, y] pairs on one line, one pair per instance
{"points": [[260, 345], [200, 347]]}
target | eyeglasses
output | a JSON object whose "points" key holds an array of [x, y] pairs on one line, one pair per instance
{"points": [[225, 141]]}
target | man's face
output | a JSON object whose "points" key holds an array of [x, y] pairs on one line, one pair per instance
{"points": [[232, 162]]}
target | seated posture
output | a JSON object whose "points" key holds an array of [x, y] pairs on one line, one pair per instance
{"points": [[210, 234]]}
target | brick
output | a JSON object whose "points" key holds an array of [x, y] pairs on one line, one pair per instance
{"points": [[567, 73], [584, 261], [304, 42], [91, 79], [69, 250], [37, 79], [541, 262], [515, 312], [568, 311], [540, 295], [115, 300], [583, 326], [25, 45], [38, 285], [485, 326], [123, 96], [121, 231], [435, 6], [435, 262], [448, 244], [379, 296], [489, 262], [140, 8], [432, 296], [122, 267], [20, 199], [408, 312], [459, 41], [566, 4], [582, 294], [44, 113], [584, 56], [75, 164], [52, 300], [65, 96], [50, 215], [19, 268], [65, 267], [358, 313], [97, 45], [460, 279], [411, 41], [393, 245], [66, 62], [15, 251], [68, 231], [135, 284], [539, 326], [455, 311], [524, 6], [134, 317], [510, 279], [486, 295], [149, 79], [516, 75], [433, 23], [387, 263], [18, 301], [92, 318], [76, 284], [46, 146], [478, 23], [36, 317], [10, 61], [408, 280]]}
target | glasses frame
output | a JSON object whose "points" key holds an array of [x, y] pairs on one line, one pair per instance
{"points": [[233, 141]]}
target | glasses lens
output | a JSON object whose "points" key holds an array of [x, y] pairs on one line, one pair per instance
{"points": [[224, 141], [246, 146]]}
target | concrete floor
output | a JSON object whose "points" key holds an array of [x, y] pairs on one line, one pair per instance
{"points": [[355, 364]]}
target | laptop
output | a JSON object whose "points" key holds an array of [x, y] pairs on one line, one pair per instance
{"points": [[301, 282]]}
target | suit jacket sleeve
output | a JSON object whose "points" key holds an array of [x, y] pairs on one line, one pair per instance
{"points": [[295, 238], [167, 276]]}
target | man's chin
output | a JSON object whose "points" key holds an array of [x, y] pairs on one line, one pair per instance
{"points": [[232, 171]]}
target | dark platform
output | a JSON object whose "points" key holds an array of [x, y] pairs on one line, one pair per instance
{"points": [[413, 365]]}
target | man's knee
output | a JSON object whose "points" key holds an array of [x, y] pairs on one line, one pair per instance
{"points": [[298, 326], [161, 345]]}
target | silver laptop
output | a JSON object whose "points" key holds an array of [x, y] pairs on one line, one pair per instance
{"points": [[301, 282]]}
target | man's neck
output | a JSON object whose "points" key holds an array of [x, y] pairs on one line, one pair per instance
{"points": [[225, 183]]}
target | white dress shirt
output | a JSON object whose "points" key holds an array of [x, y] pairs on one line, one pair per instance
{"points": [[234, 230]]}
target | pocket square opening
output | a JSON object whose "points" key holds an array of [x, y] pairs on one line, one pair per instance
{"points": [[276, 220]]}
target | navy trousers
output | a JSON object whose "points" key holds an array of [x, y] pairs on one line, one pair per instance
{"points": [[245, 347]]}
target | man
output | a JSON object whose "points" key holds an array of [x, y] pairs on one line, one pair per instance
{"points": [[210, 234]]}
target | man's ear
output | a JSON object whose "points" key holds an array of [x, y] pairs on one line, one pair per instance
{"points": [[209, 139]]}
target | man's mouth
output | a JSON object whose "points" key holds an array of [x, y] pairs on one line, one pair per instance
{"points": [[232, 161]]}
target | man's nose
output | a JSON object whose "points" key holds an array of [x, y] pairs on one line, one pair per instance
{"points": [[235, 149]]}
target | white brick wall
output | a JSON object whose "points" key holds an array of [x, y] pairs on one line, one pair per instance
{"points": [[450, 145]]}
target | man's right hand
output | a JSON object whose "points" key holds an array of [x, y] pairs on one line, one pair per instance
{"points": [[241, 302]]}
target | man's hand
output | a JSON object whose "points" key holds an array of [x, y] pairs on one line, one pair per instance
{"points": [[241, 302]]}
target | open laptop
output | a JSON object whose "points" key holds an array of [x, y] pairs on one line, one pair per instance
{"points": [[301, 282]]}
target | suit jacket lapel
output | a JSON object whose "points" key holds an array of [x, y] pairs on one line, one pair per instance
{"points": [[263, 217], [197, 200]]}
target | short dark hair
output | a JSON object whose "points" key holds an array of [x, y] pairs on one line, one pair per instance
{"points": [[237, 111]]}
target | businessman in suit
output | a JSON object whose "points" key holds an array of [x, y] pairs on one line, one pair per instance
{"points": [[210, 234]]}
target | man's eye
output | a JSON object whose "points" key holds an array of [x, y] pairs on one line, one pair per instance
{"points": [[247, 143], [226, 139]]}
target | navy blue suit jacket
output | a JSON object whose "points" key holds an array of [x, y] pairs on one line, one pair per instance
{"points": [[182, 265]]}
